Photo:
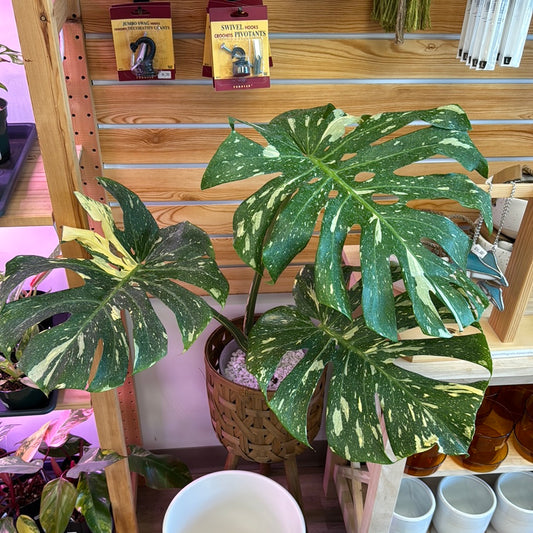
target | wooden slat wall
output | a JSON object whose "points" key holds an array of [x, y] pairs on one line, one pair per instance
{"points": [[156, 138]]}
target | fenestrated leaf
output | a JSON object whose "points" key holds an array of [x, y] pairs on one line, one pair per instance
{"points": [[160, 471], [366, 379], [57, 503], [125, 269], [93, 502], [320, 166]]}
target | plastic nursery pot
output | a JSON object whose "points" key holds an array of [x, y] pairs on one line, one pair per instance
{"points": [[424, 463], [514, 510], [5, 152], [234, 501], [25, 398], [414, 507], [464, 504]]}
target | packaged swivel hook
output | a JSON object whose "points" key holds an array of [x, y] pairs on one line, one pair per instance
{"points": [[236, 49], [142, 37]]}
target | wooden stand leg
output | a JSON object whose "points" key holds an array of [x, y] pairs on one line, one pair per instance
{"points": [[231, 461], [293, 481], [328, 484], [264, 468]]}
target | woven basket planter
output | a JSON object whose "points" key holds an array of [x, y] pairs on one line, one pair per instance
{"points": [[241, 418]]}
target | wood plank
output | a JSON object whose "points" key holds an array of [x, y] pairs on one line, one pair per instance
{"points": [[110, 432], [183, 184], [217, 219], [189, 104], [520, 275], [309, 16], [64, 10], [198, 145], [29, 204], [43, 58], [333, 58]]}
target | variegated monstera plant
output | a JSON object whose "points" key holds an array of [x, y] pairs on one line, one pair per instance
{"points": [[330, 171]]}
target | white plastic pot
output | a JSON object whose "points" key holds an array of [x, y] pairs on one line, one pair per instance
{"points": [[234, 501], [514, 510], [465, 504], [414, 507]]}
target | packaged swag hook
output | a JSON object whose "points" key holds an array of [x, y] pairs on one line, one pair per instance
{"points": [[142, 37]]}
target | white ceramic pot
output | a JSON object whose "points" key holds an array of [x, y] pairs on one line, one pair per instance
{"points": [[233, 501], [465, 504], [414, 507], [514, 510], [513, 218]]}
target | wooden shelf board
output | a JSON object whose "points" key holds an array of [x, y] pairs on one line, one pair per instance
{"points": [[513, 462], [73, 399], [29, 204]]}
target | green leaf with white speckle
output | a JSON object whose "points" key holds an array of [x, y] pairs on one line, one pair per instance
{"points": [[325, 163], [417, 411], [124, 271]]}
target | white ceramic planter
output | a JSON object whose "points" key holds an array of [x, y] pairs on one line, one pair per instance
{"points": [[465, 504], [234, 501], [514, 510], [513, 218], [414, 507]]}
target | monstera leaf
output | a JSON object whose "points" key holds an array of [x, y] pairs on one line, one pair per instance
{"points": [[324, 174], [125, 267], [366, 379]]}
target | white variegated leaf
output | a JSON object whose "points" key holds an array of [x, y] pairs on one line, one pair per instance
{"points": [[126, 268], [367, 385], [325, 163]]}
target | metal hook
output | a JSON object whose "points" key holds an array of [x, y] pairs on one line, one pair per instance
{"points": [[143, 66]]}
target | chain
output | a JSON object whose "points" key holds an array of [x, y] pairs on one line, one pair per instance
{"points": [[505, 210], [479, 221]]}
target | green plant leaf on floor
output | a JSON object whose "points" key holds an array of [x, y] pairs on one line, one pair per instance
{"points": [[322, 168], [126, 267], [160, 471], [93, 502], [366, 378]]}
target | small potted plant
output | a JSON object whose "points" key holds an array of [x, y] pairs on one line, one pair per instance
{"points": [[10, 56], [326, 166], [68, 483], [17, 391]]}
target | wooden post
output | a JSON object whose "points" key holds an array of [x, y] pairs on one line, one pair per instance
{"points": [[519, 274], [37, 24], [111, 435], [39, 42]]}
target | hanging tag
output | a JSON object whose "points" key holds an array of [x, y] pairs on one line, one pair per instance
{"points": [[478, 250]]}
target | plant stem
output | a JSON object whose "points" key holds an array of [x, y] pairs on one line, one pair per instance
{"points": [[251, 303], [238, 335]]}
